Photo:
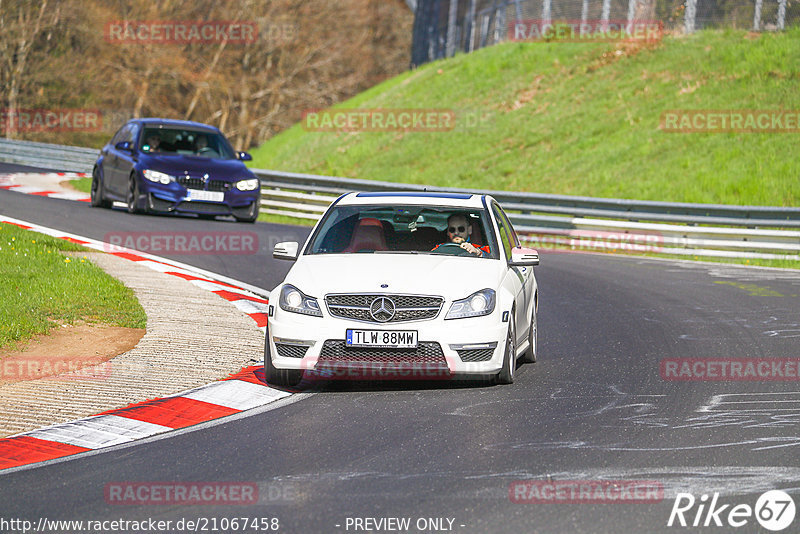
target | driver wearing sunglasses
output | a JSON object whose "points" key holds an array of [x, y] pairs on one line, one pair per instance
{"points": [[459, 231]]}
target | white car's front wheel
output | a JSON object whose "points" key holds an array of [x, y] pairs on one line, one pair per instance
{"points": [[275, 376], [506, 374], [530, 354]]}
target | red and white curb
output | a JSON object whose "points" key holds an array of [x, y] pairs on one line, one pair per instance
{"points": [[239, 392], [10, 182]]}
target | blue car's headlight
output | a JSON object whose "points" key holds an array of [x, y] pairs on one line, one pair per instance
{"points": [[247, 185], [294, 300], [479, 303], [158, 177]]}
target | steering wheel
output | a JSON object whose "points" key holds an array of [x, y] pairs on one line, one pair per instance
{"points": [[454, 249]]}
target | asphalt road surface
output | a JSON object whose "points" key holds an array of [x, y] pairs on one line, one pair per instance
{"points": [[595, 407]]}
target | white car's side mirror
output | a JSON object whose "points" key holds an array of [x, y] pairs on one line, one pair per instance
{"points": [[286, 250], [524, 257]]}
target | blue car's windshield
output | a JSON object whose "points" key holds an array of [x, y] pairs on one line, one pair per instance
{"points": [[187, 142], [402, 229]]}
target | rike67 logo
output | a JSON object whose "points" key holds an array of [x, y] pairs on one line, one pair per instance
{"points": [[774, 510]]}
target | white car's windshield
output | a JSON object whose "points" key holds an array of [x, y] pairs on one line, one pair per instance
{"points": [[402, 229]]}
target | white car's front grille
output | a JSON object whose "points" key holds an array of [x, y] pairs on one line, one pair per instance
{"points": [[427, 352], [287, 350], [475, 355], [384, 308]]}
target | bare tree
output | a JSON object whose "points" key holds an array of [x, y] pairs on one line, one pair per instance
{"points": [[20, 24], [308, 54]]}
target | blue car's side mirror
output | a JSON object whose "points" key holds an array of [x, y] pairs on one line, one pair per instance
{"points": [[244, 156], [124, 145]]}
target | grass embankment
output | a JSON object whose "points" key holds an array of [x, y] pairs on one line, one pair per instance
{"points": [[579, 119], [42, 288], [84, 185]]}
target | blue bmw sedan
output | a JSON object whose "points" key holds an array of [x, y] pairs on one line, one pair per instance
{"points": [[172, 166]]}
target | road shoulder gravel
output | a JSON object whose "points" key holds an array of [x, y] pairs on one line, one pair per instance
{"points": [[193, 337]]}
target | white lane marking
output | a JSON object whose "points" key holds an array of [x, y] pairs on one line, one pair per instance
{"points": [[70, 196], [28, 189], [178, 266], [752, 402], [156, 266], [280, 403], [248, 306], [698, 479], [236, 394], [98, 431], [213, 286]]}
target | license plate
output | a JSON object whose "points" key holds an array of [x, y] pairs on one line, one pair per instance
{"points": [[386, 339], [211, 196]]}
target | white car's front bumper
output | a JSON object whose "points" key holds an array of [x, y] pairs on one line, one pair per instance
{"points": [[298, 341]]}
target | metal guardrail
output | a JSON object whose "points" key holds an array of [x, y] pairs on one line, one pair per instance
{"points": [[527, 203], [48, 156], [580, 223]]}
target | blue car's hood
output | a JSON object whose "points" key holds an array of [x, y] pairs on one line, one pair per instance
{"points": [[179, 165]]}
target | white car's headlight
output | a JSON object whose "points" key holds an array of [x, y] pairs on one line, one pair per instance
{"points": [[247, 185], [294, 300], [479, 303], [158, 177]]}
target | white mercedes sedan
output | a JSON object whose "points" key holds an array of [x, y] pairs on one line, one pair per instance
{"points": [[404, 285]]}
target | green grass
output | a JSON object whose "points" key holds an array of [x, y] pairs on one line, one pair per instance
{"points": [[83, 185], [579, 119], [285, 219], [42, 288]]}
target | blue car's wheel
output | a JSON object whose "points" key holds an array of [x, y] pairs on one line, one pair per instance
{"points": [[98, 198], [251, 218], [133, 197]]}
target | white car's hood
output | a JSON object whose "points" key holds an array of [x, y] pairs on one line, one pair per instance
{"points": [[452, 277]]}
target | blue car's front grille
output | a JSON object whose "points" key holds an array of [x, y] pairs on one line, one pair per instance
{"points": [[204, 207], [219, 185], [159, 204], [198, 183]]}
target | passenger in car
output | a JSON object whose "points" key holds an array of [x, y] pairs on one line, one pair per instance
{"points": [[201, 143], [459, 231], [152, 141]]}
